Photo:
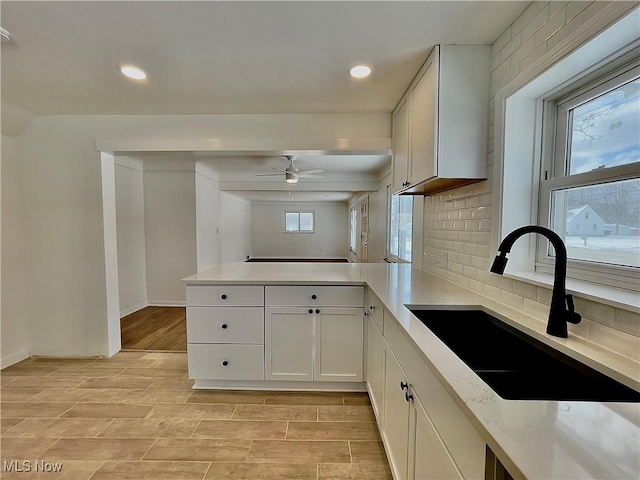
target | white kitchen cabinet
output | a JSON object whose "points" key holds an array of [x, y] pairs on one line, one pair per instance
{"points": [[428, 457], [289, 345], [225, 362], [441, 123], [401, 144], [314, 344], [339, 344], [395, 420], [375, 366]]}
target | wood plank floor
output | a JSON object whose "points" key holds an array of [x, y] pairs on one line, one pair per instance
{"points": [[155, 328], [135, 416]]}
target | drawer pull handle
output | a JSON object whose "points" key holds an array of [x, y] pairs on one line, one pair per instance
{"points": [[224, 326], [313, 297], [372, 307], [310, 310], [225, 363], [408, 396], [223, 296], [317, 311], [404, 385]]}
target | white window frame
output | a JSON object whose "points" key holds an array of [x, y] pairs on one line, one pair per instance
{"points": [[312, 212], [353, 229], [554, 175], [389, 256], [517, 140]]}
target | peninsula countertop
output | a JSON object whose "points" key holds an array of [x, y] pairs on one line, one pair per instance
{"points": [[534, 439]]}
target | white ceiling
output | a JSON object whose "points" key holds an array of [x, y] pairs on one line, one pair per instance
{"points": [[236, 57], [229, 57]]}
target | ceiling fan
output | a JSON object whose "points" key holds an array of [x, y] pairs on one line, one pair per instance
{"points": [[291, 173]]}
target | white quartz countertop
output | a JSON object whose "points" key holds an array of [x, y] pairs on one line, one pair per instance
{"points": [[533, 439]]}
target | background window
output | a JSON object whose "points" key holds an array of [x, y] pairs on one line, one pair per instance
{"points": [[594, 173], [400, 227], [299, 222]]}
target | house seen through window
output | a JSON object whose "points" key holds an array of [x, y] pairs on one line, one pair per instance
{"points": [[594, 171]]}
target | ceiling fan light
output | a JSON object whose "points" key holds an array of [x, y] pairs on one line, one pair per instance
{"points": [[291, 179]]}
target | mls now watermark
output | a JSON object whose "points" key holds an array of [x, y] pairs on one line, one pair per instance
{"points": [[30, 466]]}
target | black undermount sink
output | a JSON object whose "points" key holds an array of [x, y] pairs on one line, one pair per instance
{"points": [[517, 366]]}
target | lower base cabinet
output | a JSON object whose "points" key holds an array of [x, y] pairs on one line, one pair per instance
{"points": [[375, 366]]}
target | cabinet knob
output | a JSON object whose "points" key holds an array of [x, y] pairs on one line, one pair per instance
{"points": [[223, 296], [408, 396], [317, 311], [372, 307], [224, 326], [404, 385], [366, 314], [225, 363], [313, 297], [310, 310]]}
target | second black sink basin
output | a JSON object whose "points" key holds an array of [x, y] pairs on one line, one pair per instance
{"points": [[517, 366]]}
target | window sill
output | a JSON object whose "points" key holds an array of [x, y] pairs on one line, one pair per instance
{"points": [[614, 297]]}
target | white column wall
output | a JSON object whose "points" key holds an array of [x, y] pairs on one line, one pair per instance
{"points": [[14, 330]]}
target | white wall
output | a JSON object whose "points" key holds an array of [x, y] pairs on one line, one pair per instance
{"points": [[235, 228], [329, 240], [14, 327], [132, 271], [170, 229], [208, 206]]}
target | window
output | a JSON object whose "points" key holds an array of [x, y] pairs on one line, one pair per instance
{"points": [[400, 226], [353, 229], [299, 222], [592, 172]]}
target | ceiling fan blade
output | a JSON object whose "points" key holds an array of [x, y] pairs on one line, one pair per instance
{"points": [[279, 169], [310, 176], [310, 172], [268, 175]]}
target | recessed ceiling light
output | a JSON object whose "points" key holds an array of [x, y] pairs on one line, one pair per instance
{"points": [[360, 71], [132, 72]]}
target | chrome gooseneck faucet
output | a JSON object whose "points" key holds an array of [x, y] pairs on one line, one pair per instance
{"points": [[562, 308]]}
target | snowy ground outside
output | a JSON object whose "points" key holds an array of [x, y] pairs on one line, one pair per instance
{"points": [[612, 249]]}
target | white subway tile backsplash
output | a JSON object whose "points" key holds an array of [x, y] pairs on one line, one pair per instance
{"points": [[555, 7], [503, 283], [627, 321], [476, 286], [575, 8], [513, 300], [597, 312], [543, 295], [554, 24], [511, 46], [565, 32], [533, 57], [501, 41], [536, 23], [614, 340], [536, 309], [525, 49], [493, 293], [527, 16], [527, 290]]}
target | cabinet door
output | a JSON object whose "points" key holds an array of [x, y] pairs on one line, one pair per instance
{"points": [[396, 415], [339, 344], [400, 145], [288, 344], [422, 154], [428, 459], [375, 367]]}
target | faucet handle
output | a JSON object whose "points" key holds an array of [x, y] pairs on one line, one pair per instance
{"points": [[572, 316]]}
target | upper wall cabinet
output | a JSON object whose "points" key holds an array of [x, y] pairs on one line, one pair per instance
{"points": [[440, 126]]}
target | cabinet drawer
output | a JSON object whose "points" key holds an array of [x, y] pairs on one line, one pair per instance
{"points": [[243, 362], [311, 296], [223, 295], [225, 325], [373, 305]]}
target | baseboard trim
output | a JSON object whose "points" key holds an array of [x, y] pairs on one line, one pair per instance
{"points": [[279, 385], [13, 359], [131, 310], [182, 303]]}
